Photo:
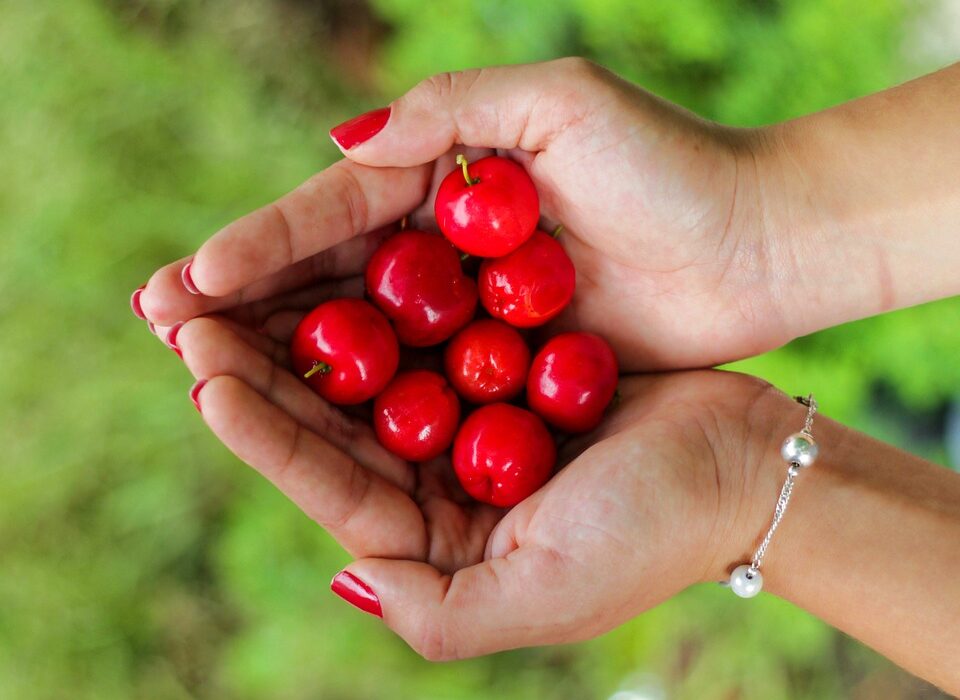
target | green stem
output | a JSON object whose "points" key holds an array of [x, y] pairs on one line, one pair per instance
{"points": [[462, 162], [557, 230], [318, 368]]}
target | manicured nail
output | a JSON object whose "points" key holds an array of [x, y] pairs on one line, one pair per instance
{"points": [[356, 592], [135, 303], [188, 279], [195, 393], [359, 129], [172, 338]]}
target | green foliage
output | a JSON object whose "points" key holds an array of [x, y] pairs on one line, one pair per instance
{"points": [[137, 557]]}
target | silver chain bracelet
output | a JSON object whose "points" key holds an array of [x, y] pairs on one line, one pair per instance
{"points": [[800, 451]]}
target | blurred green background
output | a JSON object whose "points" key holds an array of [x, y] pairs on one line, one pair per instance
{"points": [[138, 559]]}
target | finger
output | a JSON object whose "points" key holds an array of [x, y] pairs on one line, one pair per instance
{"points": [[257, 314], [278, 352], [365, 513], [281, 325], [337, 204], [505, 107], [210, 349], [165, 300], [488, 607]]}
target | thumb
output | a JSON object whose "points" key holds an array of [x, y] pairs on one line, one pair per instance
{"points": [[505, 107], [498, 604]]}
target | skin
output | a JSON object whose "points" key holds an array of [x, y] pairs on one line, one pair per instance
{"points": [[693, 244]]}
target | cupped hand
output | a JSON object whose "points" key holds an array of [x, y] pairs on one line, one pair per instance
{"points": [[645, 506], [661, 211]]}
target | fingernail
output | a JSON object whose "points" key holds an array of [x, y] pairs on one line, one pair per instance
{"points": [[152, 328], [359, 129], [135, 303], [195, 393], [188, 279], [172, 338], [356, 592]]}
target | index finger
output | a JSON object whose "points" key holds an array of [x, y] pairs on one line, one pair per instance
{"points": [[343, 201]]}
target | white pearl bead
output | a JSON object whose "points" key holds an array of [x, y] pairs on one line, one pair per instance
{"points": [[745, 581], [800, 448]]}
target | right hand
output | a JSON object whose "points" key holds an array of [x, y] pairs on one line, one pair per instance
{"points": [[660, 210]]}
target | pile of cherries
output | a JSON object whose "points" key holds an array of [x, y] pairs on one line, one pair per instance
{"points": [[348, 350]]}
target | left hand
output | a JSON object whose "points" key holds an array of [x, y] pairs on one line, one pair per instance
{"points": [[634, 517]]}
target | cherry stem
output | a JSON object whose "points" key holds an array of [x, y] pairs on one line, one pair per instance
{"points": [[403, 223], [464, 256], [557, 230], [462, 162], [318, 368]]}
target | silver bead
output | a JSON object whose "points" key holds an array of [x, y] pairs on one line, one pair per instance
{"points": [[746, 581], [800, 449]]}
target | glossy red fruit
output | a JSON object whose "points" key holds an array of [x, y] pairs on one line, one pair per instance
{"points": [[487, 361], [502, 454], [346, 351], [417, 415], [529, 286], [416, 279], [572, 381], [488, 208]]}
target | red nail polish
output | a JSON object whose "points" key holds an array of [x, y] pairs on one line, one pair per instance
{"points": [[172, 339], [195, 393], [187, 279], [356, 592], [359, 129], [135, 303]]}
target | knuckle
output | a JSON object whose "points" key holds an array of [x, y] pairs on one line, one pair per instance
{"points": [[440, 86], [354, 200], [434, 644], [450, 86], [357, 489]]}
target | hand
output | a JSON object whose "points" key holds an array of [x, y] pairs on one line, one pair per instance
{"points": [[660, 211], [644, 508]]}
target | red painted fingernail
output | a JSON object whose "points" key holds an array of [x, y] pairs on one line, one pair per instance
{"points": [[356, 592], [172, 338], [135, 303], [188, 279], [359, 129], [195, 393]]}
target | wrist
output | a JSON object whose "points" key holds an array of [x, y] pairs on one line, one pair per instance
{"points": [[857, 216], [754, 473]]}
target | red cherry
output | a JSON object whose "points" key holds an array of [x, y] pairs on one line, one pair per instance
{"points": [[346, 350], [502, 454], [417, 415], [487, 361], [490, 209], [572, 381], [416, 279], [529, 286]]}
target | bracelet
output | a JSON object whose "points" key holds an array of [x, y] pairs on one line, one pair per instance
{"points": [[800, 451]]}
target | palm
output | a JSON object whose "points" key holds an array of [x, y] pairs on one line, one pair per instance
{"points": [[604, 531], [327, 460], [378, 505]]}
